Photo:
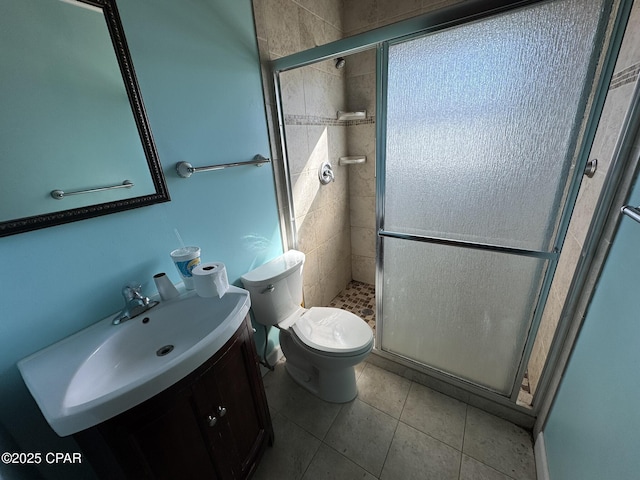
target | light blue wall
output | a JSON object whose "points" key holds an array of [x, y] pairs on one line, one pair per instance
{"points": [[62, 66], [198, 69], [593, 431]]}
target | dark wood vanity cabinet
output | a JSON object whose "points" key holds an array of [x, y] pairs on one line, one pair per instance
{"points": [[213, 424]]}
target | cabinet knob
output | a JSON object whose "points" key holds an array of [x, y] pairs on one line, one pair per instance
{"points": [[212, 420], [222, 411]]}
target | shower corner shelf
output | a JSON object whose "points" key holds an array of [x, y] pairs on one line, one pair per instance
{"points": [[355, 115], [353, 160]]}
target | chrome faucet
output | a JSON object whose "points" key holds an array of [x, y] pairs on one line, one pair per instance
{"points": [[134, 303]]}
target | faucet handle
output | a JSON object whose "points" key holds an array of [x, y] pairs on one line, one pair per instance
{"points": [[131, 291]]}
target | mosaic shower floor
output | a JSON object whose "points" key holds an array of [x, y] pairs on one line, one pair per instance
{"points": [[360, 298]]}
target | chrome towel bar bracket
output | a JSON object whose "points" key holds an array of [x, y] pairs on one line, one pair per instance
{"points": [[185, 169], [60, 194]]}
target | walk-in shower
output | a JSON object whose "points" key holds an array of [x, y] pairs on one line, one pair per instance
{"points": [[481, 132]]}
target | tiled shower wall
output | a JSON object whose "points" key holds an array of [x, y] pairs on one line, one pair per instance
{"points": [[361, 140], [311, 97], [321, 211]]}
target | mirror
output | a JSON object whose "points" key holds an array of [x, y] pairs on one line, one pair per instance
{"points": [[75, 141]]}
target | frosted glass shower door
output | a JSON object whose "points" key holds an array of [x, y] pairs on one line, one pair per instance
{"points": [[481, 128]]}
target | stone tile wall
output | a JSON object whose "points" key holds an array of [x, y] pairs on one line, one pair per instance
{"points": [[361, 140], [311, 97]]}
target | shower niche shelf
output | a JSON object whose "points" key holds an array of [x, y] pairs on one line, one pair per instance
{"points": [[353, 160]]}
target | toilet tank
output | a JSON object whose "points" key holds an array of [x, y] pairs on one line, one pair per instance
{"points": [[276, 288]]}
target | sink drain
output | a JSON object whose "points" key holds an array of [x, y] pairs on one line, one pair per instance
{"points": [[162, 351]]}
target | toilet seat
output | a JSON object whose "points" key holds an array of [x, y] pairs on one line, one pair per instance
{"points": [[332, 330]]}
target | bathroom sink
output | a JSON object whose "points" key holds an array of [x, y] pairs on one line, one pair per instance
{"points": [[106, 369]]}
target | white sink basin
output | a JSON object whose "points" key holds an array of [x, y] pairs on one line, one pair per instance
{"points": [[106, 369]]}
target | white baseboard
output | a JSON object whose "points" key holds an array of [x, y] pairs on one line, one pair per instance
{"points": [[540, 452]]}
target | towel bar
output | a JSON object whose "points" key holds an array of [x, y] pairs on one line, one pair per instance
{"points": [[185, 169], [60, 194], [633, 212]]}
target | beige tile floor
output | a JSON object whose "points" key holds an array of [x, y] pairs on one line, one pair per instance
{"points": [[395, 429]]}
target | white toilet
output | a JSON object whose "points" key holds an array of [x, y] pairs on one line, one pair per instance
{"points": [[321, 344]]}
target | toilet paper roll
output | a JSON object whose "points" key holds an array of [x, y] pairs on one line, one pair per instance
{"points": [[210, 279]]}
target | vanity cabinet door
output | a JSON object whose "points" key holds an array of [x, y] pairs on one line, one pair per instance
{"points": [[170, 446], [229, 396], [160, 439]]}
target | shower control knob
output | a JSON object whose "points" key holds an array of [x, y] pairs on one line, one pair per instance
{"points": [[211, 420], [325, 174], [222, 411]]}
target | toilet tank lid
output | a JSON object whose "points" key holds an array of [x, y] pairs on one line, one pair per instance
{"points": [[274, 270]]}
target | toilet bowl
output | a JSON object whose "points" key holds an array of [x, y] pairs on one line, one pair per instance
{"points": [[321, 345]]}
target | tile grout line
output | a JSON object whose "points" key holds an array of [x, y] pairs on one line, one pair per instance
{"points": [[471, 456], [382, 411], [492, 468], [350, 460], [464, 431], [332, 423], [386, 456], [395, 430], [406, 399], [312, 458], [319, 17]]}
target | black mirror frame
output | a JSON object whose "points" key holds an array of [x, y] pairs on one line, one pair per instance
{"points": [[119, 42]]}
